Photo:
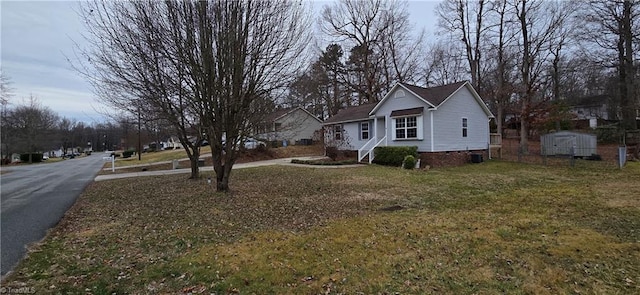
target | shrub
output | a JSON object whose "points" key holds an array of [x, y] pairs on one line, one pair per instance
{"points": [[409, 162], [393, 155], [261, 148], [35, 157], [128, 153]]}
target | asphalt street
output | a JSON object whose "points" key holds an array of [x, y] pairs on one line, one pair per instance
{"points": [[34, 199]]}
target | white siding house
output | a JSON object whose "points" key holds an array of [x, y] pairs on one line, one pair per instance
{"points": [[440, 119], [291, 125]]}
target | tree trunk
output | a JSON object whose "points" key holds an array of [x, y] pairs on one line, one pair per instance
{"points": [[222, 181], [627, 89], [499, 118], [524, 131], [195, 170], [525, 70], [222, 164]]}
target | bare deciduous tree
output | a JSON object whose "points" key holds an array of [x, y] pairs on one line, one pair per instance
{"points": [[381, 48], [467, 21], [442, 65], [33, 124], [132, 65], [256, 45], [611, 33], [5, 95], [207, 67], [500, 60], [539, 21]]}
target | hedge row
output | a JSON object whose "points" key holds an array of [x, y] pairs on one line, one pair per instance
{"points": [[35, 157], [393, 155]]}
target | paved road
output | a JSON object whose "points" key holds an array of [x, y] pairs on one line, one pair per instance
{"points": [[35, 197]]}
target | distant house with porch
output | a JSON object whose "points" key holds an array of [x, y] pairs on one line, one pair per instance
{"points": [[440, 119], [592, 109]]}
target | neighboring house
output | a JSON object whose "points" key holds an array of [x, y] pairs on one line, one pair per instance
{"points": [[439, 119], [293, 125], [592, 109], [56, 153], [173, 142]]}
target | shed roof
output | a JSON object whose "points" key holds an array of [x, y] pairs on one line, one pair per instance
{"points": [[407, 112]]}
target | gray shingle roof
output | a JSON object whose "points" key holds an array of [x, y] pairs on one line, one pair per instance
{"points": [[434, 95], [349, 114]]}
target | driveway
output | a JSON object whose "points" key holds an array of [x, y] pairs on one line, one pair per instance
{"points": [[35, 197]]}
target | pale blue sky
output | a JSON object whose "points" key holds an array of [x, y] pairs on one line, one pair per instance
{"points": [[38, 36]]}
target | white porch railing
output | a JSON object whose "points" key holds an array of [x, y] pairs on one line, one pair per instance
{"points": [[367, 149]]}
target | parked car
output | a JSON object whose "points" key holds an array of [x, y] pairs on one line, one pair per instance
{"points": [[252, 143], [249, 143], [45, 157]]}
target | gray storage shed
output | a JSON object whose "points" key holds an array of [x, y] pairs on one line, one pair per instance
{"points": [[567, 143]]}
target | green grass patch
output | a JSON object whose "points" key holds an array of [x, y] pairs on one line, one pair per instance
{"points": [[492, 228]]}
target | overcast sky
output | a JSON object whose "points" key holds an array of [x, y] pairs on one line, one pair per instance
{"points": [[38, 36]]}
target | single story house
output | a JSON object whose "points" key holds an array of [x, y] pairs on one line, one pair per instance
{"points": [[440, 119], [592, 109], [293, 125]]}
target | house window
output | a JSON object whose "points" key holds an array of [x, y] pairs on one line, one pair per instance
{"points": [[406, 127], [399, 94], [277, 127], [464, 127], [364, 130], [337, 132]]}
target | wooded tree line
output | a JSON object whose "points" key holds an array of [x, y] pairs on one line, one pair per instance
{"points": [[31, 127], [526, 58]]}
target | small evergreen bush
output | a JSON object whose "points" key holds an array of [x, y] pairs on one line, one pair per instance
{"points": [[409, 162], [393, 155]]}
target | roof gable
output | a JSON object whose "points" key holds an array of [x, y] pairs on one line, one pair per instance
{"points": [[436, 96], [433, 96], [278, 114]]}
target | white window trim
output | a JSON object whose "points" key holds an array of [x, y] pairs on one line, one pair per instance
{"points": [[362, 130], [465, 120], [338, 129], [399, 94], [419, 128]]}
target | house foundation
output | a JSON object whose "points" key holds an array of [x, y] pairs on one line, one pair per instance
{"points": [[450, 159]]}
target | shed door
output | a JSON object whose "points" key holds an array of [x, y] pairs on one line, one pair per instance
{"points": [[562, 144]]}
